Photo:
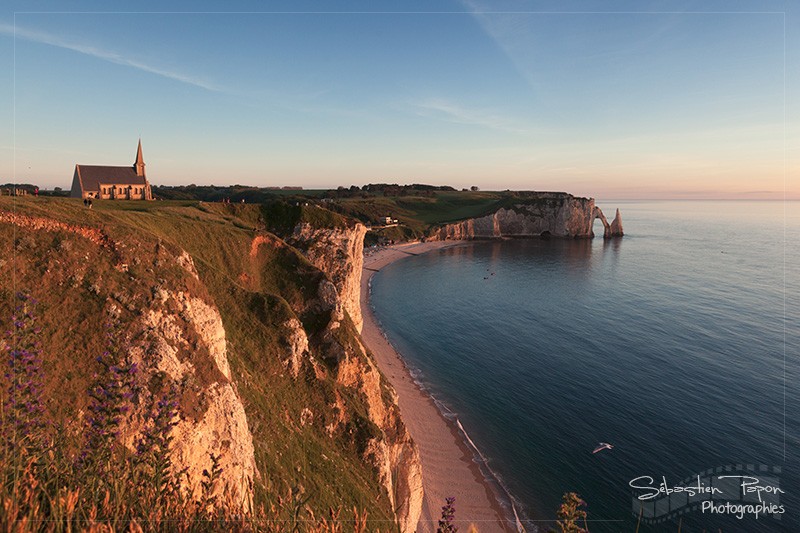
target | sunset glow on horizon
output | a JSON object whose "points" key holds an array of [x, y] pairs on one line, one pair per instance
{"points": [[614, 100]]}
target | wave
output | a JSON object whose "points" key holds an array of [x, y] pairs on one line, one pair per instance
{"points": [[501, 492], [494, 477]]}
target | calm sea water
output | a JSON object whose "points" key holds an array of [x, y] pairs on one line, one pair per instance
{"points": [[678, 344]]}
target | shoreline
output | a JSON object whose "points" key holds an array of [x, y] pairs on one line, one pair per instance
{"points": [[449, 467]]}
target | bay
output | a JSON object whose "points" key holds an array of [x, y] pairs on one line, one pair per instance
{"points": [[678, 344]]}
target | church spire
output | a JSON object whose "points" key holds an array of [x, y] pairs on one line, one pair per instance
{"points": [[139, 164]]}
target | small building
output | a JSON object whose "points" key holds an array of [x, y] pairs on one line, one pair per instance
{"points": [[112, 183]]}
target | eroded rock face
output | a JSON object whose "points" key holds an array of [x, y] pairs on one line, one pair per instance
{"points": [[223, 432], [610, 230], [173, 331], [338, 252], [170, 329], [598, 213], [615, 228], [536, 215], [400, 472], [394, 454], [297, 346], [185, 341]]}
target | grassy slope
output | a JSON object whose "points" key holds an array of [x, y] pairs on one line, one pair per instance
{"points": [[419, 211], [327, 470], [419, 214]]}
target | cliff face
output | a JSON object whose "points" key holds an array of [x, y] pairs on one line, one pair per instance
{"points": [[184, 340], [339, 253], [615, 228], [270, 373], [166, 325], [534, 215], [390, 450]]}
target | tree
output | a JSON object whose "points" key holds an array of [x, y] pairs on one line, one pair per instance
{"points": [[474, 188]]}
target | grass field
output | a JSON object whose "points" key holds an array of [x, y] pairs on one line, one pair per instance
{"points": [[255, 296], [418, 215], [417, 212]]}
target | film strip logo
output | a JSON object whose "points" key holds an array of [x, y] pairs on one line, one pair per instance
{"points": [[739, 490]]}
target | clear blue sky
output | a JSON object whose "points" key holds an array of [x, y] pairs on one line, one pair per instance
{"points": [[607, 99]]}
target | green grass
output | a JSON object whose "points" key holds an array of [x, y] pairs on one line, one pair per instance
{"points": [[255, 296], [281, 217], [450, 206], [418, 215], [232, 193], [444, 207]]}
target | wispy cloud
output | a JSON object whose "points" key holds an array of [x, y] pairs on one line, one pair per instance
{"points": [[512, 33], [112, 57], [452, 112]]}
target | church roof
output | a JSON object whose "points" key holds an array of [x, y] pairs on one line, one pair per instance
{"points": [[92, 176]]}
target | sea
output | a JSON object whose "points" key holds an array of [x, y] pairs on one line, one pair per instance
{"points": [[677, 345]]}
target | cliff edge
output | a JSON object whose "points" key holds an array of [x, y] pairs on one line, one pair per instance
{"points": [[258, 338], [166, 324], [337, 251], [534, 214]]}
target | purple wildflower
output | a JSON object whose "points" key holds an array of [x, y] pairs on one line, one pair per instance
{"points": [[110, 397], [152, 448], [446, 523], [23, 413]]}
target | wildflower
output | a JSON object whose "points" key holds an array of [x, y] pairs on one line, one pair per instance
{"points": [[23, 413], [570, 512], [110, 397], [446, 523], [152, 448]]}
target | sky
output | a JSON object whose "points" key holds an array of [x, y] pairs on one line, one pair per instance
{"points": [[668, 99]]}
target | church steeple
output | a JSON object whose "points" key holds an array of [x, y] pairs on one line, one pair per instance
{"points": [[139, 164]]}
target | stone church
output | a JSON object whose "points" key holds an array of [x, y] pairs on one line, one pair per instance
{"points": [[112, 183]]}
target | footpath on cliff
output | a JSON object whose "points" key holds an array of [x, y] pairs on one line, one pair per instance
{"points": [[448, 469]]}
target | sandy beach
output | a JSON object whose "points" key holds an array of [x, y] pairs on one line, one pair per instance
{"points": [[447, 465]]}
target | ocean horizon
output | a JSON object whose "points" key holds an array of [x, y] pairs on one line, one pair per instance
{"points": [[675, 344]]}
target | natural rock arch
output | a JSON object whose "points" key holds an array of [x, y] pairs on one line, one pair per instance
{"points": [[614, 229]]}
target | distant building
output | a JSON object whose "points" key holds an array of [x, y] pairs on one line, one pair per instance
{"points": [[112, 183]]}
